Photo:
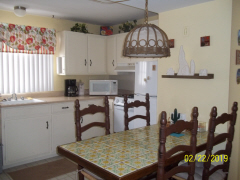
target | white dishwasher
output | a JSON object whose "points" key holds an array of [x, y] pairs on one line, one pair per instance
{"points": [[119, 113]]}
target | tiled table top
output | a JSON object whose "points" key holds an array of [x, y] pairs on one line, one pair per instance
{"points": [[124, 152]]}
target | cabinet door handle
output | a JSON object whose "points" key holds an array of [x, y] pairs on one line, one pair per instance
{"points": [[47, 124], [65, 107], [85, 62], [81, 120], [113, 62], [90, 62]]}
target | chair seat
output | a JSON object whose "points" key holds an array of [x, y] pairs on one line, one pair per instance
{"points": [[218, 175], [91, 174]]}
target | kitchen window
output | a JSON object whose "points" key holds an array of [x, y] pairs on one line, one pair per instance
{"points": [[23, 73], [26, 58]]}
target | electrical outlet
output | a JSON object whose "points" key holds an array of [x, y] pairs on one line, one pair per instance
{"points": [[186, 31]]}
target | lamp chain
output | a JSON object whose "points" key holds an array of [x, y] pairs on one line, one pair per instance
{"points": [[146, 12]]}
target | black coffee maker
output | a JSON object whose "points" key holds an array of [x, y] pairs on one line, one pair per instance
{"points": [[70, 87]]}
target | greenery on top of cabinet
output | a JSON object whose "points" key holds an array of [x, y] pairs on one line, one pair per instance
{"points": [[80, 28], [128, 26]]}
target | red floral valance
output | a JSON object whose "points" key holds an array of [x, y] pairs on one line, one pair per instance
{"points": [[20, 38]]}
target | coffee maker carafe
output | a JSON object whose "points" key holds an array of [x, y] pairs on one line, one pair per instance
{"points": [[70, 87]]}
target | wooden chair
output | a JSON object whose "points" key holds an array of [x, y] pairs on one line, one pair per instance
{"points": [[136, 104], [163, 156], [92, 109], [205, 170]]}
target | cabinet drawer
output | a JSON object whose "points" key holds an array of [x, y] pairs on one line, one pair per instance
{"points": [[26, 111], [63, 107]]}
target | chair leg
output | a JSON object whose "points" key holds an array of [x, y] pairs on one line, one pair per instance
{"points": [[226, 177], [80, 175], [88, 176]]}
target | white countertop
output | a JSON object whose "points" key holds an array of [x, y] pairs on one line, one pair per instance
{"points": [[58, 99]]}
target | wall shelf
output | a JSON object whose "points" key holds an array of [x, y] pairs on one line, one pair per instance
{"points": [[195, 76]]}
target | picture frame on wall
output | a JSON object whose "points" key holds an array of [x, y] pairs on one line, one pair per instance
{"points": [[171, 43], [237, 57], [239, 37], [238, 76], [205, 41]]}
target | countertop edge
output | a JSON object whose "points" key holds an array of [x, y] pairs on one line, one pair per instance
{"points": [[50, 100]]}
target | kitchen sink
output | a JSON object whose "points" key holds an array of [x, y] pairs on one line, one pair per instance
{"points": [[20, 101]]}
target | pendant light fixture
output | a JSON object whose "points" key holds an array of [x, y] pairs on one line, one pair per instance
{"points": [[146, 40]]}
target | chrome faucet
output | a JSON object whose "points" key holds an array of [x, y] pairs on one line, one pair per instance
{"points": [[13, 95]]}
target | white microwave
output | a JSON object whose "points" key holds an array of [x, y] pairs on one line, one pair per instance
{"points": [[103, 87]]}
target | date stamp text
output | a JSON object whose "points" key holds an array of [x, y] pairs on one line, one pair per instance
{"points": [[204, 158]]}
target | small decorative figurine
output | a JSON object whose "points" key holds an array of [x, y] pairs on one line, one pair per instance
{"points": [[203, 72], [175, 116], [192, 70], [170, 71], [183, 65]]}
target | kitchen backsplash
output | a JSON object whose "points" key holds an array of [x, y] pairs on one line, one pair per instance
{"points": [[125, 85]]}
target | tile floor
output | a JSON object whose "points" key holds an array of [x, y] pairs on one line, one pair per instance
{"points": [[68, 176]]}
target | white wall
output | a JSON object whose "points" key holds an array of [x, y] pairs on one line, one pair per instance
{"points": [[208, 19]]}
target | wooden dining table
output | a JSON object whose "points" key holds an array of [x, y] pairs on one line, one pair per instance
{"points": [[127, 155]]}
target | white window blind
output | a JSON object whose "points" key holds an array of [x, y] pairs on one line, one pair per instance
{"points": [[24, 73]]}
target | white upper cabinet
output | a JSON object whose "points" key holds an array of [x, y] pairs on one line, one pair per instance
{"points": [[120, 43], [73, 47], [111, 54], [89, 54], [96, 54], [83, 53]]}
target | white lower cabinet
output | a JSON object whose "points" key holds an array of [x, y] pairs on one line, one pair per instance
{"points": [[26, 138], [33, 132], [26, 133], [63, 124]]}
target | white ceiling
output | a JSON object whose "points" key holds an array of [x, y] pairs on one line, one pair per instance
{"points": [[90, 11]]}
